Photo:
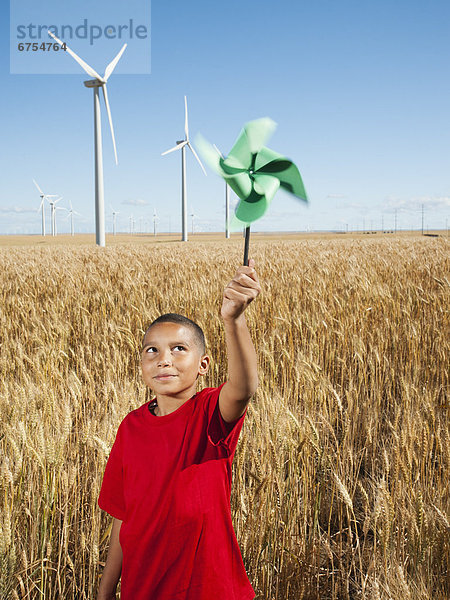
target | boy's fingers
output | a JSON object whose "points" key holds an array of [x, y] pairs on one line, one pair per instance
{"points": [[245, 279], [250, 271], [249, 287], [233, 294]]}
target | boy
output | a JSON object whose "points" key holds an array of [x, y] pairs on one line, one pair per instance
{"points": [[168, 477]]}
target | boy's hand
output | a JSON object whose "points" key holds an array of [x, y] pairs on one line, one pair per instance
{"points": [[242, 289]]}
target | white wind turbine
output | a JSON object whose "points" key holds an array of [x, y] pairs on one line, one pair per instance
{"points": [[42, 205], [193, 216], [95, 84], [53, 209], [70, 216], [182, 144], [114, 213], [155, 220]]}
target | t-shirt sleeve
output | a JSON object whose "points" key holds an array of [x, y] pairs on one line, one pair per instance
{"points": [[220, 432], [111, 498]]}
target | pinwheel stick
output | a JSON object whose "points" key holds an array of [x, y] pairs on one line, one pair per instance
{"points": [[246, 245]]}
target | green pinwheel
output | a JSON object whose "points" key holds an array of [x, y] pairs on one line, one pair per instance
{"points": [[254, 172]]}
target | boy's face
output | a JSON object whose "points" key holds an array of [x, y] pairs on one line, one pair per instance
{"points": [[171, 360]]}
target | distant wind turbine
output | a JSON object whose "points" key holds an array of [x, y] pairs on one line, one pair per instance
{"points": [[114, 213], [155, 220], [70, 216], [193, 216], [53, 208], [182, 144], [95, 84], [42, 205]]}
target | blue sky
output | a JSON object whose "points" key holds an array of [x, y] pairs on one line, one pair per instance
{"points": [[360, 91]]}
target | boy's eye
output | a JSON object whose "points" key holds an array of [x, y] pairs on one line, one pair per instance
{"points": [[182, 347], [151, 349]]}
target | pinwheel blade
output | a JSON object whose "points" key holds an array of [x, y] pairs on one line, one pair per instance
{"points": [[250, 141], [265, 185], [112, 65], [247, 212], [196, 156], [108, 110], [241, 184], [89, 70], [180, 145], [272, 163], [258, 132], [186, 126]]}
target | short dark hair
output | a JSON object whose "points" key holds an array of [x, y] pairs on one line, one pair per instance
{"points": [[181, 320]]}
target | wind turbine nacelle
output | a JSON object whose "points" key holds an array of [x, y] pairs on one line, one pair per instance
{"points": [[92, 83]]}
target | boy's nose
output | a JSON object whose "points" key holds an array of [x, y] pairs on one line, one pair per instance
{"points": [[166, 359]]}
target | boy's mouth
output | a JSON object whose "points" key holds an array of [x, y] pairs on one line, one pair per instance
{"points": [[164, 376]]}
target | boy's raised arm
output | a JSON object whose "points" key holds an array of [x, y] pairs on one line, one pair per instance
{"points": [[242, 364]]}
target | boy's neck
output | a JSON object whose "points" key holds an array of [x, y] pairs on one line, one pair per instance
{"points": [[169, 404]]}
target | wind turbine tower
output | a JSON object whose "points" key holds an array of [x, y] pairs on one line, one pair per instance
{"points": [[53, 213], [97, 83], [182, 144]]}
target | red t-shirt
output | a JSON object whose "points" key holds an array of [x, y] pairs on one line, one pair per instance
{"points": [[168, 479]]}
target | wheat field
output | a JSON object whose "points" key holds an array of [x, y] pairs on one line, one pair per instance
{"points": [[341, 476]]}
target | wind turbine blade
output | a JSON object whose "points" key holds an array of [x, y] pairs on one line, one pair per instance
{"points": [[40, 191], [218, 151], [89, 70], [196, 156], [108, 110], [60, 198], [180, 145], [112, 65], [70, 204], [186, 126]]}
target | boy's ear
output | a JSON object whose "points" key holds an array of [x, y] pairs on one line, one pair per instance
{"points": [[204, 364]]}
